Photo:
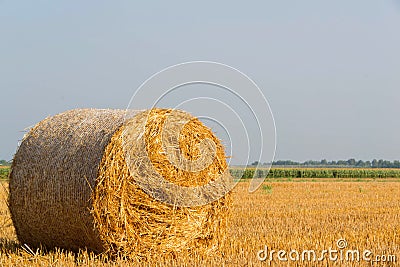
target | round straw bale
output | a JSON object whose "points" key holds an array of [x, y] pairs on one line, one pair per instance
{"points": [[114, 183]]}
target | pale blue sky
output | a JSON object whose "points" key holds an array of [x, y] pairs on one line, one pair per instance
{"points": [[329, 69]]}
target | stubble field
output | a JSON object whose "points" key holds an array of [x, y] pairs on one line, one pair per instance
{"points": [[297, 218]]}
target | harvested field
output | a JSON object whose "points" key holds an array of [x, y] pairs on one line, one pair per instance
{"points": [[281, 215]]}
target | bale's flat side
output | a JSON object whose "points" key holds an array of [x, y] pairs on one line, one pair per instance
{"points": [[52, 175]]}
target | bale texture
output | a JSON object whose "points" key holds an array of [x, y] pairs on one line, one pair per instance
{"points": [[90, 179]]}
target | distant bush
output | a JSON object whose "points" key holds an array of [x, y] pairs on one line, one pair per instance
{"points": [[4, 172], [4, 163]]}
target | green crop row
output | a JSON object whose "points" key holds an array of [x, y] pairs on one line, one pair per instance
{"points": [[4, 172], [247, 173], [314, 173]]}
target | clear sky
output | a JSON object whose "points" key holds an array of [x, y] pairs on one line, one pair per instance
{"points": [[329, 69]]}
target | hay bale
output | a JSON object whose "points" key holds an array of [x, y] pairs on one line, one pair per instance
{"points": [[90, 178]]}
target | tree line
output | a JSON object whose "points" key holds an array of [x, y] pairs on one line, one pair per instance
{"points": [[350, 163], [4, 163]]}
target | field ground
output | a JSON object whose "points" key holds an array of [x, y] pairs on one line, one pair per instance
{"points": [[282, 215]]}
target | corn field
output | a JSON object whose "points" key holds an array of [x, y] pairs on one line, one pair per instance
{"points": [[4, 172], [246, 173]]}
